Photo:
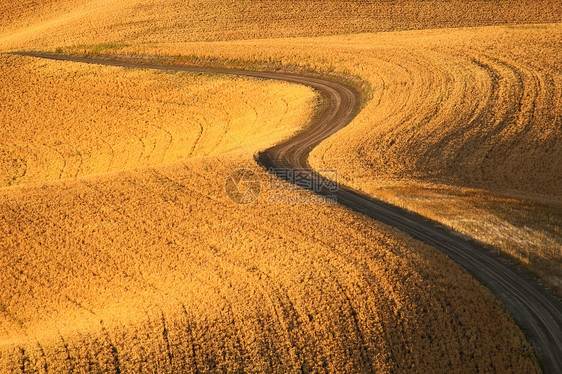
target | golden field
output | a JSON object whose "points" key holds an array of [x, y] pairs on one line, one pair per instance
{"points": [[155, 269], [120, 251], [462, 126], [64, 120], [47, 23]]}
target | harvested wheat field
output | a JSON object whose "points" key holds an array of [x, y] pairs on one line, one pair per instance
{"points": [[463, 126], [123, 248], [63, 120], [48, 23], [98, 278]]}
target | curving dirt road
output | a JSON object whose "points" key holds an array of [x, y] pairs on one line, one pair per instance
{"points": [[537, 311]]}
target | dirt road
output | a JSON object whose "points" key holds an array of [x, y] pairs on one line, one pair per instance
{"points": [[537, 310]]}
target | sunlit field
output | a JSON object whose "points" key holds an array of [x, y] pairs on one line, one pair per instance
{"points": [[462, 126], [123, 250], [64, 120]]}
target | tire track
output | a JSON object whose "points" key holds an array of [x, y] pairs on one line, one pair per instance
{"points": [[537, 310]]}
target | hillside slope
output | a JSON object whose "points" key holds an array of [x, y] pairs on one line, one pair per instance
{"points": [[144, 264], [156, 270], [66, 22], [460, 125], [65, 120]]}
